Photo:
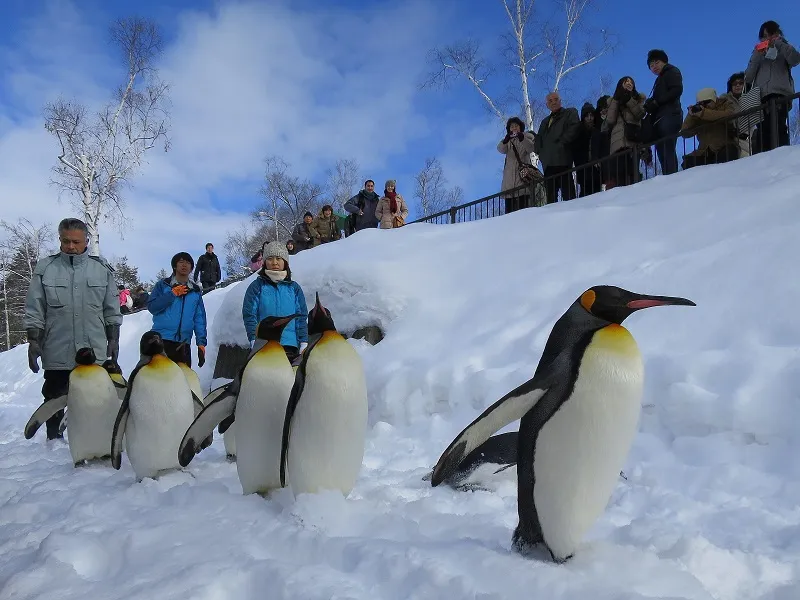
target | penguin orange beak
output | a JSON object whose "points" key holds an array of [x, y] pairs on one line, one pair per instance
{"points": [[642, 301]]}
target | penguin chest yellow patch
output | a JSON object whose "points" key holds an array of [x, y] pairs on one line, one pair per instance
{"points": [[329, 337], [161, 366], [615, 338], [270, 355], [87, 371]]}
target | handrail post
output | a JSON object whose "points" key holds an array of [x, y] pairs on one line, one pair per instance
{"points": [[453, 211]]}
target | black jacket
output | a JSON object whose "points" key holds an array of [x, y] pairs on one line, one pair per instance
{"points": [[555, 139], [667, 92], [208, 268]]}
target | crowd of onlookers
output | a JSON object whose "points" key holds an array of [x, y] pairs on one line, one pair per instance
{"points": [[621, 128]]}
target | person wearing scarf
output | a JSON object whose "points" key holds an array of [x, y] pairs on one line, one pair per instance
{"points": [[392, 210], [274, 293]]}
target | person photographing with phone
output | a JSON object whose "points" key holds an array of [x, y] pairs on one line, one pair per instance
{"points": [[770, 70], [176, 304], [716, 143]]}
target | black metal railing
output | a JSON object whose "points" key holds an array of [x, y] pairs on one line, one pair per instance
{"points": [[636, 163]]}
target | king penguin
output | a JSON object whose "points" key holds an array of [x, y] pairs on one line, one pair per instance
{"points": [[194, 384], [92, 403], [255, 403], [326, 417], [579, 414], [158, 407], [115, 373]]}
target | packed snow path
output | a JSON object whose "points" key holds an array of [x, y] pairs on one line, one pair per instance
{"points": [[711, 507]]}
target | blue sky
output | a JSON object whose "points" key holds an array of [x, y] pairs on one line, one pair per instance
{"points": [[250, 79]]}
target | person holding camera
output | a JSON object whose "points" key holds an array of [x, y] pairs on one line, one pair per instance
{"points": [[72, 303], [624, 121], [717, 142], [178, 312], [665, 107], [770, 69]]}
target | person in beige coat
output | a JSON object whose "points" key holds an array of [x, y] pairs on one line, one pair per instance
{"points": [[523, 142], [626, 107], [392, 210]]}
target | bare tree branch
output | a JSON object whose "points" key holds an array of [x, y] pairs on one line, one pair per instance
{"points": [[431, 189], [99, 155], [344, 180]]}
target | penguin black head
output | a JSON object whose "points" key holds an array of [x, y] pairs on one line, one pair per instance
{"points": [[319, 319], [614, 304], [111, 367], [85, 356], [151, 344], [271, 328]]}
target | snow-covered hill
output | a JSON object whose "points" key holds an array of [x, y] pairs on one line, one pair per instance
{"points": [[711, 507]]}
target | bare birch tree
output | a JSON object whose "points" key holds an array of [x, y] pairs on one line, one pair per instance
{"points": [[23, 243], [794, 128], [99, 153], [531, 41], [431, 191], [286, 199], [344, 180]]}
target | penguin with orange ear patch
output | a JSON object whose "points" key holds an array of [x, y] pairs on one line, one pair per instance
{"points": [[326, 417], [157, 409], [579, 414]]}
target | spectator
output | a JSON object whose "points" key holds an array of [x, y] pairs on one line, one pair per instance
{"points": [[301, 234], [208, 269], [718, 143], [665, 107], [736, 88], [362, 208], [557, 133], [125, 300], [72, 303], [140, 297], [178, 312], [588, 178], [273, 293], [324, 229], [290, 248], [517, 146], [625, 113], [392, 210], [256, 261], [770, 69]]}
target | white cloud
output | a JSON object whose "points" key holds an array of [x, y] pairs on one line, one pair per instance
{"points": [[248, 80]]}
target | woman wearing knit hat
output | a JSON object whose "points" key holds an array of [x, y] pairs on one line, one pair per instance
{"points": [[178, 312], [392, 210], [274, 294]]}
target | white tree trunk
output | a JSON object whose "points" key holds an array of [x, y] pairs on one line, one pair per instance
{"points": [[5, 310]]}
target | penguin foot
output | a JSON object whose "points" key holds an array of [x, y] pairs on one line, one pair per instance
{"points": [[230, 457], [471, 487]]}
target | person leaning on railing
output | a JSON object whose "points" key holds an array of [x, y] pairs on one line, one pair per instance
{"points": [[718, 143]]}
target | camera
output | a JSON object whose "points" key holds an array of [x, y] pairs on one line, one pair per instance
{"points": [[696, 108]]}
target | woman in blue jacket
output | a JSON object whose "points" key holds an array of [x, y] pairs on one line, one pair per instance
{"points": [[274, 294]]}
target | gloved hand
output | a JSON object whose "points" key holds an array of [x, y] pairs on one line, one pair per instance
{"points": [[507, 138], [520, 136], [34, 349], [112, 348], [201, 356], [180, 290]]}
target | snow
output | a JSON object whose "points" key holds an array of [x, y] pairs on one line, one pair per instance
{"points": [[711, 506]]}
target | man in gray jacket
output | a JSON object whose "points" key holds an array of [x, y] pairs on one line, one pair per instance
{"points": [[72, 303]]}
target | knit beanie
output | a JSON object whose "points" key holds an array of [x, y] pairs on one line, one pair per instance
{"points": [[182, 256], [657, 55], [276, 249], [706, 94]]}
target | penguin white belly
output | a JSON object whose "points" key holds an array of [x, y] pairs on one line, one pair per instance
{"points": [[582, 448], [326, 443], [92, 404], [260, 412], [161, 410]]}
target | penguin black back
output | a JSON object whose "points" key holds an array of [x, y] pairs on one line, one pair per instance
{"points": [[151, 344]]}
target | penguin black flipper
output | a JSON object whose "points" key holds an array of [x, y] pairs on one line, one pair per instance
{"points": [[44, 412], [509, 408], [294, 398], [219, 408], [122, 417]]}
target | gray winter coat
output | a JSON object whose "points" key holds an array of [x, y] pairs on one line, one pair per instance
{"points": [[71, 298], [511, 166], [773, 76], [366, 202]]}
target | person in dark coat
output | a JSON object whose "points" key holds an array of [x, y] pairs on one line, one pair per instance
{"points": [[208, 270], [362, 208], [665, 108], [557, 133], [588, 178], [301, 234]]}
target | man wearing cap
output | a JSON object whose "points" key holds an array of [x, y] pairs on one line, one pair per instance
{"points": [[178, 312], [665, 107], [717, 142], [72, 303]]}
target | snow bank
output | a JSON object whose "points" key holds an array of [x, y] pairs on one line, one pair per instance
{"points": [[709, 510]]}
